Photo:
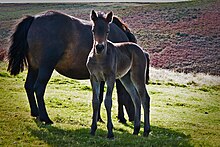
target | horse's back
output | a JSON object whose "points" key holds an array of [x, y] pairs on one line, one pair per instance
{"points": [[57, 35], [49, 27], [116, 34]]}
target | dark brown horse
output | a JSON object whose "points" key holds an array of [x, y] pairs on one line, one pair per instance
{"points": [[109, 61], [54, 40]]}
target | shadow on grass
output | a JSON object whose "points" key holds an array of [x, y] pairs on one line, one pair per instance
{"points": [[58, 136]]}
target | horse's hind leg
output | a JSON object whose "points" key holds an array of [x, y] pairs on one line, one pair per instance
{"points": [[124, 99], [48, 62], [129, 86], [29, 87], [121, 101], [39, 87]]}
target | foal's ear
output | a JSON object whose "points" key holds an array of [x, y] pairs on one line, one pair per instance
{"points": [[94, 16], [109, 17]]}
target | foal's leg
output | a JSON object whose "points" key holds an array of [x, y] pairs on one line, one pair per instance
{"points": [[29, 87], [108, 105], [146, 107], [139, 84], [95, 103], [101, 100], [129, 86], [145, 100]]}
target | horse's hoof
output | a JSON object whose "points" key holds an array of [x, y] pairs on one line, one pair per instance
{"points": [[100, 120], [33, 114], [49, 122], [135, 133], [110, 136], [37, 120], [92, 133], [146, 134], [122, 120], [46, 121], [136, 130]]}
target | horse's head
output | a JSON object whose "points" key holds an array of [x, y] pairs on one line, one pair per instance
{"points": [[100, 30]]}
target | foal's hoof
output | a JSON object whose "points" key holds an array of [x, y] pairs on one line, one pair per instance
{"points": [[136, 131]]}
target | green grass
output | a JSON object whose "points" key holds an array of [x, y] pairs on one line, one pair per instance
{"points": [[180, 115]]}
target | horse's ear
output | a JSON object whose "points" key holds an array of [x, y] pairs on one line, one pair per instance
{"points": [[93, 15], [109, 17]]}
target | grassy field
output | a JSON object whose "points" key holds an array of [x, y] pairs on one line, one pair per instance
{"points": [[183, 113]]}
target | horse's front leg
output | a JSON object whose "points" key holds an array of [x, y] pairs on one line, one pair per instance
{"points": [[95, 103], [108, 105]]}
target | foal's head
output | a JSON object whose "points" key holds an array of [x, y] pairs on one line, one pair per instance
{"points": [[100, 30]]}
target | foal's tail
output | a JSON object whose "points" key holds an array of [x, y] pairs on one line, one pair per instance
{"points": [[17, 54], [148, 66]]}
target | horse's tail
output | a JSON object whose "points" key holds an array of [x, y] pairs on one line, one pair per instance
{"points": [[125, 28], [148, 66], [17, 54]]}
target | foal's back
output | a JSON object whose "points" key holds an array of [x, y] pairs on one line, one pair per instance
{"points": [[129, 57]]}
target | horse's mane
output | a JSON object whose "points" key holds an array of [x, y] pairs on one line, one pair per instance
{"points": [[116, 20]]}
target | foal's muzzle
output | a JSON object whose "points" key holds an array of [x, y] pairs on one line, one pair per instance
{"points": [[99, 48]]}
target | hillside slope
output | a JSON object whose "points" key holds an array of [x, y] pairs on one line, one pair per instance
{"points": [[184, 36]]}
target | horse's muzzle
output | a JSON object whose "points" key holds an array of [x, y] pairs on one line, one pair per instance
{"points": [[99, 48]]}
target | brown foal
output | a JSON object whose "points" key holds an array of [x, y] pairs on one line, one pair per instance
{"points": [[109, 61]]}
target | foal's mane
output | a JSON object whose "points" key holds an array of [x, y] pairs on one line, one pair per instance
{"points": [[101, 15]]}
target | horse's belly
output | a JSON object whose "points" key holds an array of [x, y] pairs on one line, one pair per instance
{"points": [[72, 68], [74, 73]]}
